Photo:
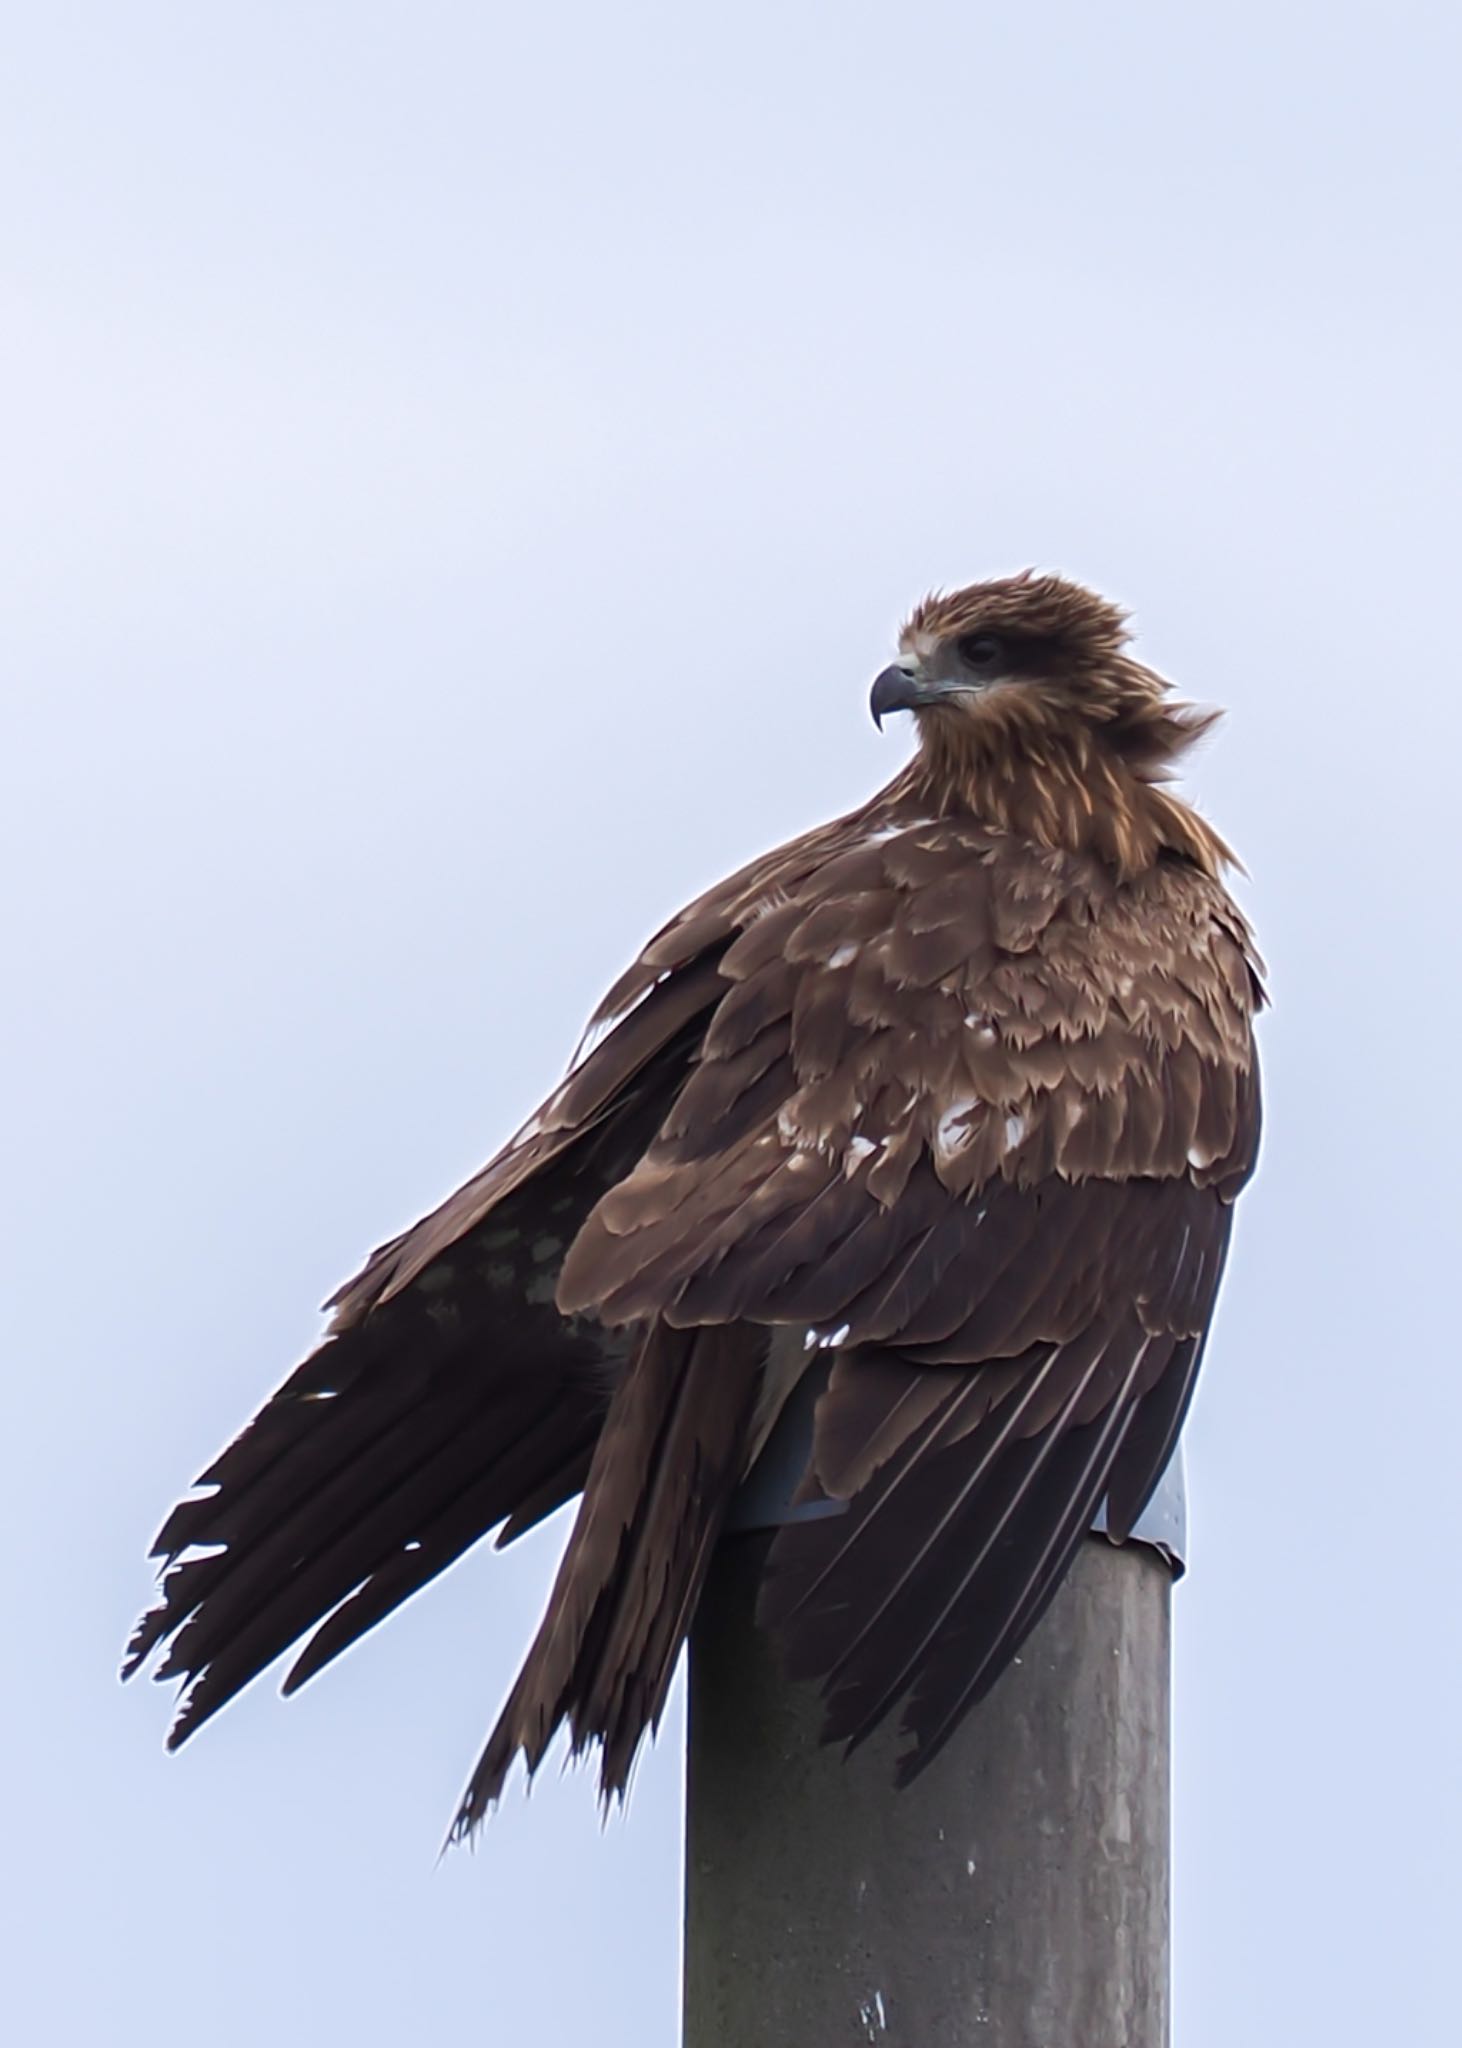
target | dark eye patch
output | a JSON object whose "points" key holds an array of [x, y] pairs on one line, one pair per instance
{"points": [[1008, 654]]}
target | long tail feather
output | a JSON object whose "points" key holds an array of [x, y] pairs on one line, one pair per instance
{"points": [[671, 1454]]}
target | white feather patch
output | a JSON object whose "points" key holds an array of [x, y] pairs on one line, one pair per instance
{"points": [[955, 1128], [884, 833]]}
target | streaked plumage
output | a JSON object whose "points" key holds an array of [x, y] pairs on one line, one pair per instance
{"points": [[958, 1089]]}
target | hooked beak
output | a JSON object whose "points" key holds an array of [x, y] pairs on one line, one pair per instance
{"points": [[901, 687]]}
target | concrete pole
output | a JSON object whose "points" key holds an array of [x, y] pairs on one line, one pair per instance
{"points": [[1015, 1896]]}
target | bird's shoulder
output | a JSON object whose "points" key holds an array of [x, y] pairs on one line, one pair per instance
{"points": [[922, 895], [895, 988]]}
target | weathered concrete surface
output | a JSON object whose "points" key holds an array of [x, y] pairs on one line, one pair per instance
{"points": [[1016, 1896]]}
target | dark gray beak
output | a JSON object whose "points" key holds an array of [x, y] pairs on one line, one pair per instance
{"points": [[896, 689]]}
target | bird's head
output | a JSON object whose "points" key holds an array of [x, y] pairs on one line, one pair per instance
{"points": [[1029, 707], [973, 655]]}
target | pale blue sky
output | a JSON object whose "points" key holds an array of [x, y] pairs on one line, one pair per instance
{"points": [[463, 467]]}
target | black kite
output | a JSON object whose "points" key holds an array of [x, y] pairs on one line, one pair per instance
{"points": [[955, 1093]]}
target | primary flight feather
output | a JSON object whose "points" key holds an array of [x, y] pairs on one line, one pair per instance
{"points": [[956, 1091]]}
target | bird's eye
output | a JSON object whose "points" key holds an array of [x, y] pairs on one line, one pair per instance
{"points": [[981, 650]]}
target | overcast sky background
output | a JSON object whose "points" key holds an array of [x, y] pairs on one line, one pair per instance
{"points": [[462, 469]]}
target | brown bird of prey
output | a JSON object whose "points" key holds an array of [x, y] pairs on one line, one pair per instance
{"points": [[949, 1100]]}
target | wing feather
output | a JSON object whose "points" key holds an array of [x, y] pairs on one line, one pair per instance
{"points": [[451, 1397]]}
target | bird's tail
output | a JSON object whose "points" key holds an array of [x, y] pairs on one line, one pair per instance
{"points": [[673, 1450]]}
